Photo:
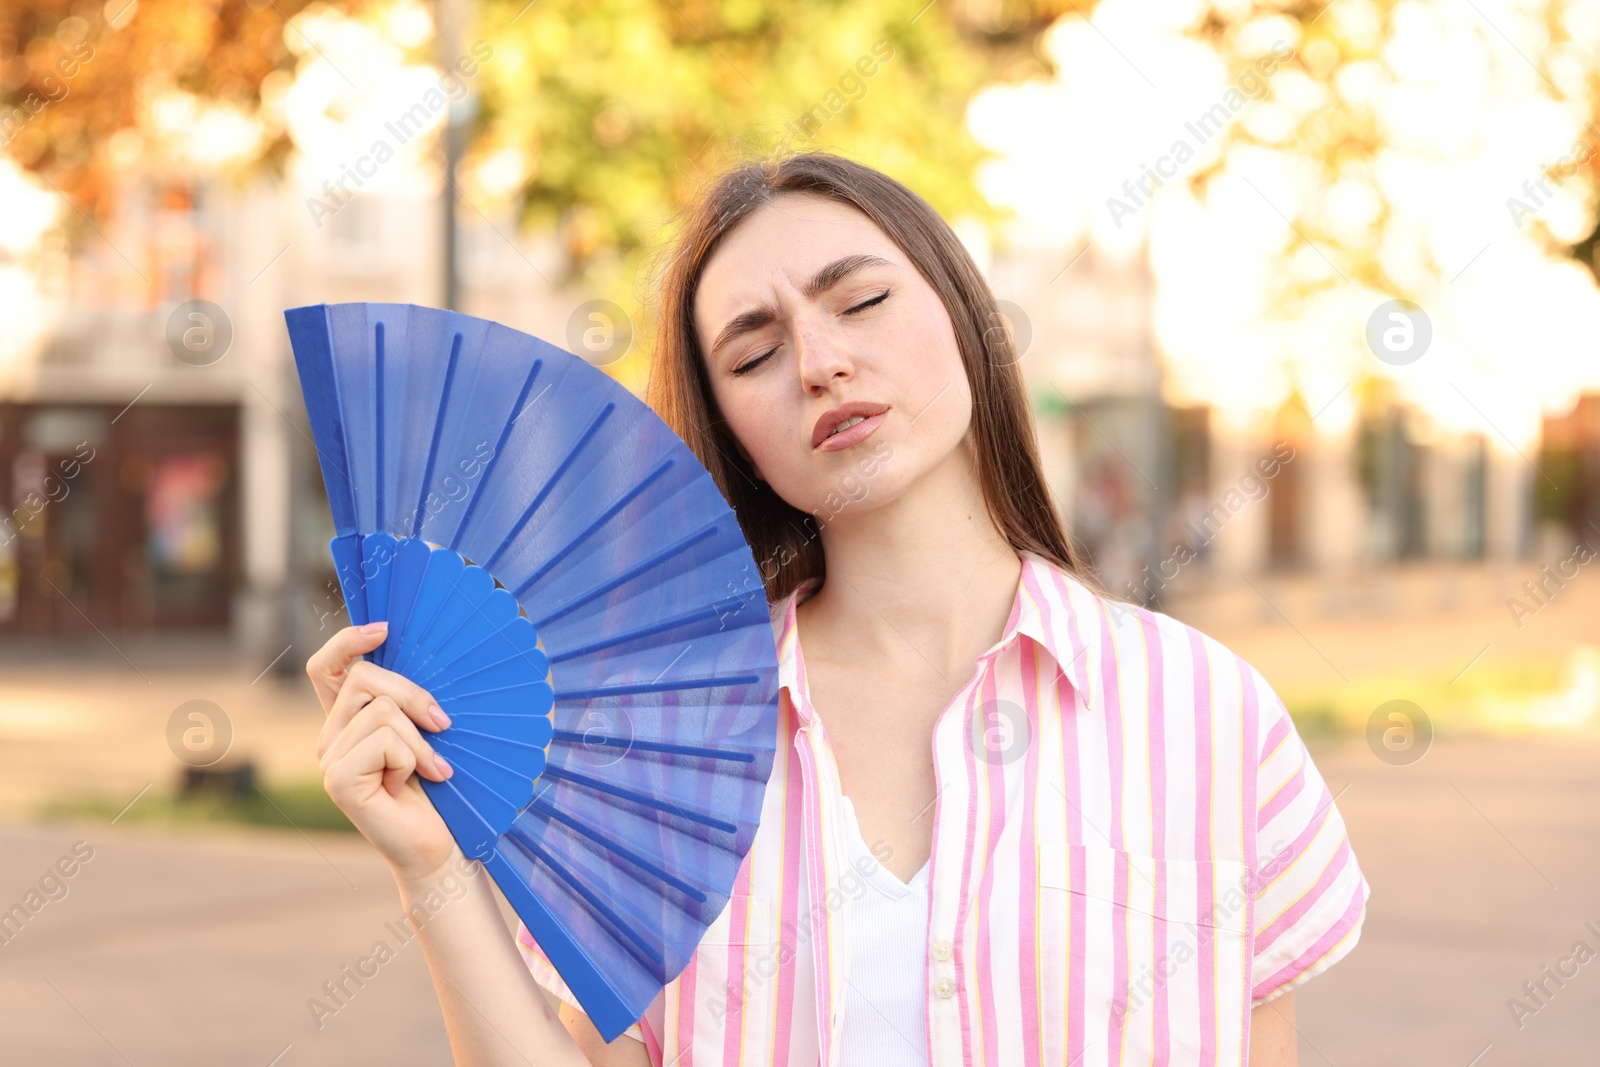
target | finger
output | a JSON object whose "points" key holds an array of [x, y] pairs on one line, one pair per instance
{"points": [[380, 714], [368, 680], [382, 753], [329, 666]]}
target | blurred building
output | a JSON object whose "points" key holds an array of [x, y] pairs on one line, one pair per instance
{"points": [[154, 450], [1168, 497]]}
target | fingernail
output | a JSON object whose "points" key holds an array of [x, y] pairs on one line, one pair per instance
{"points": [[375, 627], [444, 768], [440, 719]]}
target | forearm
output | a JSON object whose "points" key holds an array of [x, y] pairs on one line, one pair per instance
{"points": [[493, 1009]]}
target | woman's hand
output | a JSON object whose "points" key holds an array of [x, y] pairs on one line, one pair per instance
{"points": [[369, 747]]}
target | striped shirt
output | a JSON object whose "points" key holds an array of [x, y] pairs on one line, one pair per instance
{"points": [[1132, 848]]}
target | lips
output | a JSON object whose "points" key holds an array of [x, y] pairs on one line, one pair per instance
{"points": [[859, 409]]}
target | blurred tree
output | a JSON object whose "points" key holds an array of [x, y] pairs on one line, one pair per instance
{"points": [[618, 107], [1356, 69], [611, 113], [86, 86]]}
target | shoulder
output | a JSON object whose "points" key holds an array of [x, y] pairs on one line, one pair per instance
{"points": [[1134, 652]]}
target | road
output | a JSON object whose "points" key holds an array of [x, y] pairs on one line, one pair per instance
{"points": [[205, 947]]}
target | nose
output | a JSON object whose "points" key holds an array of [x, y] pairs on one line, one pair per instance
{"points": [[820, 356]]}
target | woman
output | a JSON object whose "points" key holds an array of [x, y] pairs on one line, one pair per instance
{"points": [[1096, 836]]}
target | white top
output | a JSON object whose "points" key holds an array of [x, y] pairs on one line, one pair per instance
{"points": [[885, 1008]]}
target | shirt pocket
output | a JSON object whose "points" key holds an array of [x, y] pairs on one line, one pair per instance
{"points": [[731, 974], [755, 927], [1155, 950]]}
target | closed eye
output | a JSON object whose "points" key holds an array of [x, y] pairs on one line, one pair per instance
{"points": [[880, 298], [752, 364]]}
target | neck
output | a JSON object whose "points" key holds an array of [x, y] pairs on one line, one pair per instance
{"points": [[926, 580]]}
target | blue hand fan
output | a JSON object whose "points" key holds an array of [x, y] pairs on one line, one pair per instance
{"points": [[562, 573]]}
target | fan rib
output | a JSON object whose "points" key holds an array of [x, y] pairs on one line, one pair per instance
{"points": [[692, 892], [517, 653], [712, 682], [549, 486], [495, 738], [438, 431], [444, 640], [640, 798], [469, 755], [497, 689], [499, 449], [629, 575], [378, 406], [572, 737], [500, 633], [643, 631], [605, 517], [594, 901]]}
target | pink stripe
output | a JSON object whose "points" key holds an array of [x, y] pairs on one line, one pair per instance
{"points": [[1282, 798], [983, 993], [1077, 948], [1111, 684], [685, 1027], [822, 960], [690, 974], [652, 1040], [1308, 900], [1275, 736], [1156, 688], [1303, 840], [1028, 883], [816, 852], [789, 905], [1205, 897], [1248, 802], [933, 880], [959, 954], [738, 925], [1313, 955]]}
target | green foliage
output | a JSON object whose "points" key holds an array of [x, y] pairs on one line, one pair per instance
{"points": [[300, 805], [1477, 702], [626, 108]]}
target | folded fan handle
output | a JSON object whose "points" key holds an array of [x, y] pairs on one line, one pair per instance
{"points": [[347, 564]]}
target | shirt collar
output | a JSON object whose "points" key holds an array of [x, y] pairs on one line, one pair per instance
{"points": [[1054, 609]]}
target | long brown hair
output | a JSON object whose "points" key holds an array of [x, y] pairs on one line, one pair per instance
{"points": [[783, 538]]}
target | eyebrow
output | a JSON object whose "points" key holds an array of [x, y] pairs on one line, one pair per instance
{"points": [[825, 279]]}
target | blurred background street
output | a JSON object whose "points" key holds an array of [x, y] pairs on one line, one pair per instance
{"points": [[1306, 300]]}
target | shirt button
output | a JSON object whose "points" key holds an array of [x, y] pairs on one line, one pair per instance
{"points": [[944, 987], [941, 950]]}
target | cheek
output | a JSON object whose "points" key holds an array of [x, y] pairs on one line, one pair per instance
{"points": [[920, 343], [931, 374], [757, 425]]}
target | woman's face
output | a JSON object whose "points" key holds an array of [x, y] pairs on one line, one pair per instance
{"points": [[806, 307]]}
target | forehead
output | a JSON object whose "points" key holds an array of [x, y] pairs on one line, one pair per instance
{"points": [[778, 247]]}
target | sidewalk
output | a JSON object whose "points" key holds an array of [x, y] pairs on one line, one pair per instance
{"points": [[101, 729], [204, 949]]}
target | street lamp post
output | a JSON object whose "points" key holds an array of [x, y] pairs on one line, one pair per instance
{"points": [[451, 14]]}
